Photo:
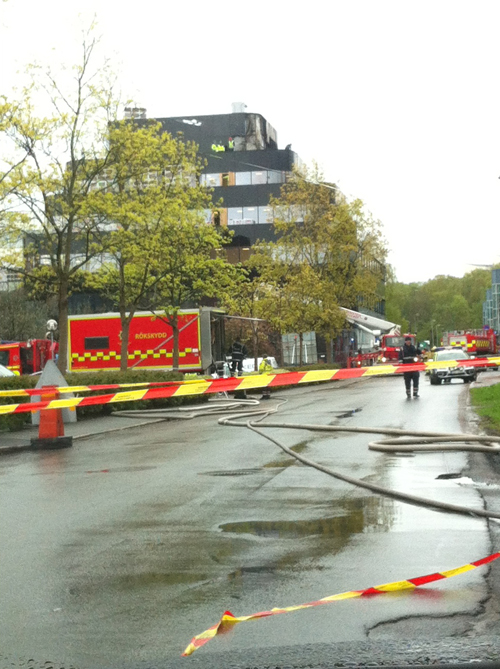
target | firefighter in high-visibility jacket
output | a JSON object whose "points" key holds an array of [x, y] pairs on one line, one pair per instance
{"points": [[265, 367]]}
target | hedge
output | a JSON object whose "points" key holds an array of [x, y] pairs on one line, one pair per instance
{"points": [[12, 422]]}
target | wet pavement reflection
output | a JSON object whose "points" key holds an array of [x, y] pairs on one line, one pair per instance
{"points": [[124, 547]]}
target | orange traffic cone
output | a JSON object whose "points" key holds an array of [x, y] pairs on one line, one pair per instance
{"points": [[51, 428]]}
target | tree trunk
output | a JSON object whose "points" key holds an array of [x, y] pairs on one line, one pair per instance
{"points": [[329, 350], [281, 353], [175, 331], [301, 361], [125, 322], [255, 342], [62, 305]]}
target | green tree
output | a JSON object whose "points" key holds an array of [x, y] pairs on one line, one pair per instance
{"points": [[22, 318], [191, 268], [440, 304], [329, 254], [54, 163], [160, 251]]}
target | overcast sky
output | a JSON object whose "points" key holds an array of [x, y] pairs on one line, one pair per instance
{"points": [[398, 101]]}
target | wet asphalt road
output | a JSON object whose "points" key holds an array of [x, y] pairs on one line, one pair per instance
{"points": [[119, 550]]}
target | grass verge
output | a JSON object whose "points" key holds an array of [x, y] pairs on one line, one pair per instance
{"points": [[486, 403]]}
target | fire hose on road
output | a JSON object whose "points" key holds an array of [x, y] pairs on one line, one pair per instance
{"points": [[398, 441]]}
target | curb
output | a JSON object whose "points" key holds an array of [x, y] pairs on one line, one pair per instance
{"points": [[8, 450]]}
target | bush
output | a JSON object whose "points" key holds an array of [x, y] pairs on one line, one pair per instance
{"points": [[132, 376], [15, 421]]}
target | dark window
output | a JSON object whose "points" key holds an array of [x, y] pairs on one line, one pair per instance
{"points": [[4, 358], [395, 341], [27, 360], [94, 343], [225, 179]]}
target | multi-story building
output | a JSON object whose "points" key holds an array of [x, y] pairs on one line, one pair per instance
{"points": [[244, 167]]}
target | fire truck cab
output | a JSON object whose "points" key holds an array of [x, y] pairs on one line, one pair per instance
{"points": [[476, 343], [27, 357], [390, 344]]}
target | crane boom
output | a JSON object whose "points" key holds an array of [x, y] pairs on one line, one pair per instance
{"points": [[371, 323]]}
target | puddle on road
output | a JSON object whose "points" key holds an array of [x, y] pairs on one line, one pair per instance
{"points": [[127, 582], [352, 517], [274, 464], [142, 570]]}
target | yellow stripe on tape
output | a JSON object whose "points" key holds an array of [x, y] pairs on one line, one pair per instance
{"points": [[376, 370], [318, 375], [65, 404], [129, 396], [495, 361], [342, 595], [258, 381], [393, 587], [192, 389], [439, 364], [13, 393], [8, 408], [459, 570]]}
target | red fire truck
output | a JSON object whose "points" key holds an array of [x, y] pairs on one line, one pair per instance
{"points": [[390, 345], [94, 341], [391, 339], [474, 342], [27, 357]]}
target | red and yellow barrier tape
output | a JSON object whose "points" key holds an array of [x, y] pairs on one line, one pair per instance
{"points": [[30, 392], [210, 386], [228, 620]]}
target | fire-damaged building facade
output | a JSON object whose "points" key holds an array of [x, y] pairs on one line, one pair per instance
{"points": [[244, 168]]}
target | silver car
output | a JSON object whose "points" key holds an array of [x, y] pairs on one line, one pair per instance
{"points": [[446, 374]]}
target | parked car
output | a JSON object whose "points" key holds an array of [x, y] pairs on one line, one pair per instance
{"points": [[446, 374]]}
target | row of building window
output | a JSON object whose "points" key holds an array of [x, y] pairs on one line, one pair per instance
{"points": [[249, 215], [241, 215], [243, 178], [107, 181]]}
